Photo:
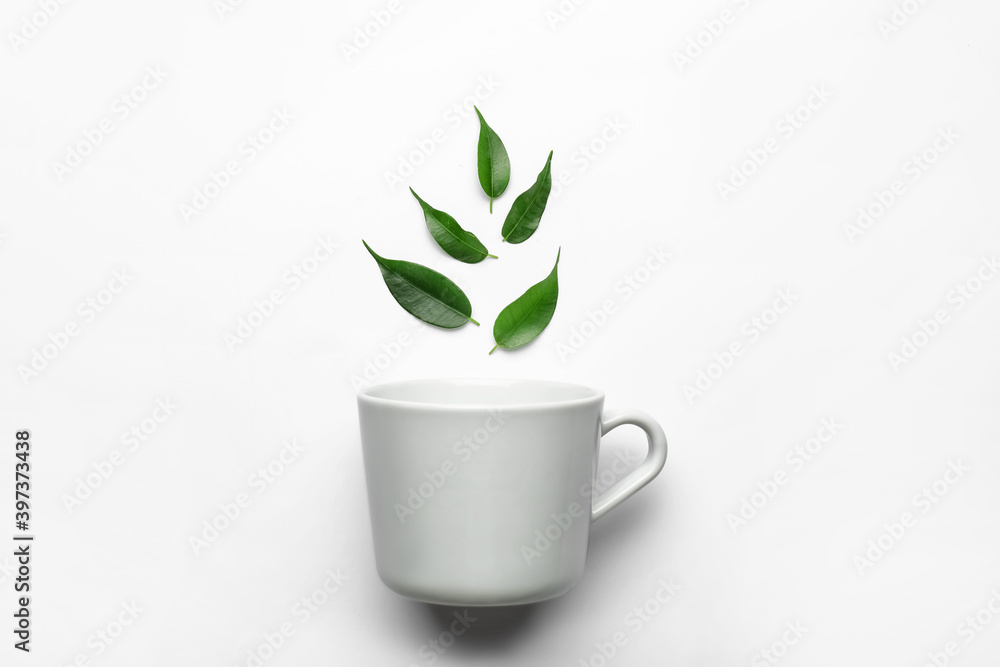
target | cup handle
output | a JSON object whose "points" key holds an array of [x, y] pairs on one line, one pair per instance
{"points": [[647, 470]]}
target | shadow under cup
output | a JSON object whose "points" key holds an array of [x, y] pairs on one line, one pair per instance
{"points": [[480, 491]]}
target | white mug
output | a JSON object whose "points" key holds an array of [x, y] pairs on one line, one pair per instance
{"points": [[481, 492]]}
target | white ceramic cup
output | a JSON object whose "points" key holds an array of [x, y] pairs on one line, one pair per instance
{"points": [[481, 492]]}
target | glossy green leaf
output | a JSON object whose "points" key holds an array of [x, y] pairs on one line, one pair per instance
{"points": [[425, 293], [526, 213], [494, 165], [460, 244], [528, 315]]}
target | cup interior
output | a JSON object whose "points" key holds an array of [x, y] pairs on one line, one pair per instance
{"points": [[480, 393]]}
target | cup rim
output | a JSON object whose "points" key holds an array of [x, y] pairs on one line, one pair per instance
{"points": [[366, 394]]}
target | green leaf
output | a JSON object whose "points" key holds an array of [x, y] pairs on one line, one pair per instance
{"points": [[494, 165], [526, 213], [528, 315], [460, 244], [425, 293]]}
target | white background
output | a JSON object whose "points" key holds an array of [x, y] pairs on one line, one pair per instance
{"points": [[558, 84]]}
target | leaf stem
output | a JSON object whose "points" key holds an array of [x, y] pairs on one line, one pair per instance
{"points": [[474, 322], [493, 256], [491, 205], [494, 348]]}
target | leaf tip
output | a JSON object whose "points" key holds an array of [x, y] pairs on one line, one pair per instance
{"points": [[371, 252]]}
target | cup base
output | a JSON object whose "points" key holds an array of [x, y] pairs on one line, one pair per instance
{"points": [[481, 598]]}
